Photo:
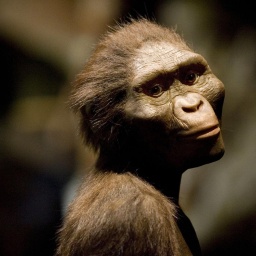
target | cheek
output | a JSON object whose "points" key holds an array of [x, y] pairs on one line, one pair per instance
{"points": [[146, 108], [214, 92]]}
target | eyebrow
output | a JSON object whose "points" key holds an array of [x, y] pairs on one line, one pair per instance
{"points": [[159, 70], [151, 76]]}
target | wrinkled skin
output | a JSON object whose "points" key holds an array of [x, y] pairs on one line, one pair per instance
{"points": [[177, 90]]}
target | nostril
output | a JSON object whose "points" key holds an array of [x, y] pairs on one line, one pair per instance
{"points": [[192, 107]]}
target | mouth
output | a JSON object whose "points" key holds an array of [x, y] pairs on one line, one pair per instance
{"points": [[205, 133]]}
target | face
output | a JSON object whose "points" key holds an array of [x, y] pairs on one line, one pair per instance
{"points": [[178, 100]]}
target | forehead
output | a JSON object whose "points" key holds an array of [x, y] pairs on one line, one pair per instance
{"points": [[156, 58]]}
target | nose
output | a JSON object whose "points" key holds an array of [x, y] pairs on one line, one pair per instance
{"points": [[190, 103], [192, 108]]}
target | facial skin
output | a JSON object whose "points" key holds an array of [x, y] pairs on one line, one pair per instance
{"points": [[175, 88]]}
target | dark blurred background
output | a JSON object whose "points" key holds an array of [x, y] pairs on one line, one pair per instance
{"points": [[44, 43]]}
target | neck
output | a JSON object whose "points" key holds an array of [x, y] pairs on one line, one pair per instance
{"points": [[162, 176]]}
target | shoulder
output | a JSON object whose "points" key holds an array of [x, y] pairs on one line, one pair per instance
{"points": [[120, 214]]}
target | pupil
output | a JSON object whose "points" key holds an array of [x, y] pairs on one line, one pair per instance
{"points": [[191, 76], [155, 89]]}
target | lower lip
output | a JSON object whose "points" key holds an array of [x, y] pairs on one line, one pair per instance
{"points": [[204, 134]]}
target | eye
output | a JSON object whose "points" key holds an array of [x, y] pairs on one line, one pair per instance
{"points": [[156, 90], [190, 77], [155, 87]]}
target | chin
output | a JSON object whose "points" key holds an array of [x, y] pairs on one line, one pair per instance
{"points": [[212, 154], [218, 150], [204, 153]]}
